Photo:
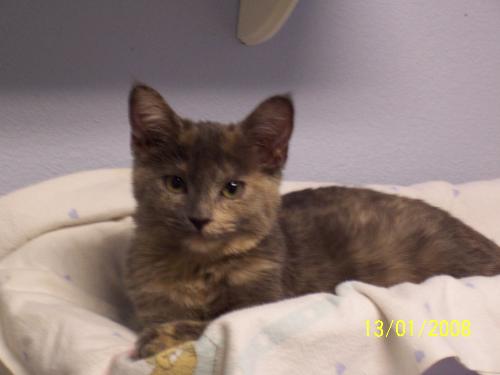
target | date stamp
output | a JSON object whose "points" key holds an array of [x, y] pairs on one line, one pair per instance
{"points": [[431, 328]]}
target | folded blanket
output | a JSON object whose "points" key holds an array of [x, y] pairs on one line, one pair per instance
{"points": [[63, 308]]}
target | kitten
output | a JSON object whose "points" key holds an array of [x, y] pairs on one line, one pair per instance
{"points": [[213, 234]]}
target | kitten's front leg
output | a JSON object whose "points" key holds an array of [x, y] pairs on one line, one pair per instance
{"points": [[156, 338], [162, 322]]}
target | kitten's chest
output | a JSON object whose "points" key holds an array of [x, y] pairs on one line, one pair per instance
{"points": [[192, 293], [198, 291]]}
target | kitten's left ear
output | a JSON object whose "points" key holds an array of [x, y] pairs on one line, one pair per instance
{"points": [[151, 118], [269, 128]]}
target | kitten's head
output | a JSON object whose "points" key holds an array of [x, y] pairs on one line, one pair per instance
{"points": [[213, 188]]}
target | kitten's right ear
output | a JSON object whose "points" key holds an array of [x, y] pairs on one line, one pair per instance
{"points": [[151, 118], [269, 128]]}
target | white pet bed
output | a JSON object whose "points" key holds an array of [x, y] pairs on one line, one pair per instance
{"points": [[62, 306]]}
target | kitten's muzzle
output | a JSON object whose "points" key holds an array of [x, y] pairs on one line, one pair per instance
{"points": [[199, 223]]}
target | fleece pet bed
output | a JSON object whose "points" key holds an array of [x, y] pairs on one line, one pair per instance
{"points": [[63, 309]]}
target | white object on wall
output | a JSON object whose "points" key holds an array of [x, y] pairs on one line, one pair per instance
{"points": [[259, 20]]}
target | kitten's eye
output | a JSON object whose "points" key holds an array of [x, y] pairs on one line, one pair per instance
{"points": [[175, 184], [233, 189]]}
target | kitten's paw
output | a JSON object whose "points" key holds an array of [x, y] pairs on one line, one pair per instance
{"points": [[155, 339]]}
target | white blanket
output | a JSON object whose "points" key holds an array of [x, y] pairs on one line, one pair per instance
{"points": [[62, 306]]}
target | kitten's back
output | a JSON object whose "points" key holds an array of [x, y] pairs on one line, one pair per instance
{"points": [[339, 233]]}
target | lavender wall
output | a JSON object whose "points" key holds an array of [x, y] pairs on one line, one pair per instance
{"points": [[386, 91]]}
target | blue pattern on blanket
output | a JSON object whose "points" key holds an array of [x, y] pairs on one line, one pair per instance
{"points": [[292, 324], [419, 355], [259, 346], [73, 214], [340, 368]]}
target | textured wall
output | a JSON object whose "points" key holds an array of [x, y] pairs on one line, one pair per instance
{"points": [[386, 91]]}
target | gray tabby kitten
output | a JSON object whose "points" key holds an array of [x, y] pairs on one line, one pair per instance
{"points": [[214, 235]]}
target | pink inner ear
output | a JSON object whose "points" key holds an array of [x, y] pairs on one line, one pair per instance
{"points": [[137, 138], [146, 103], [136, 126], [272, 140], [283, 136], [270, 126]]}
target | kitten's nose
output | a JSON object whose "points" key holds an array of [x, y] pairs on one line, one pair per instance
{"points": [[199, 223]]}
